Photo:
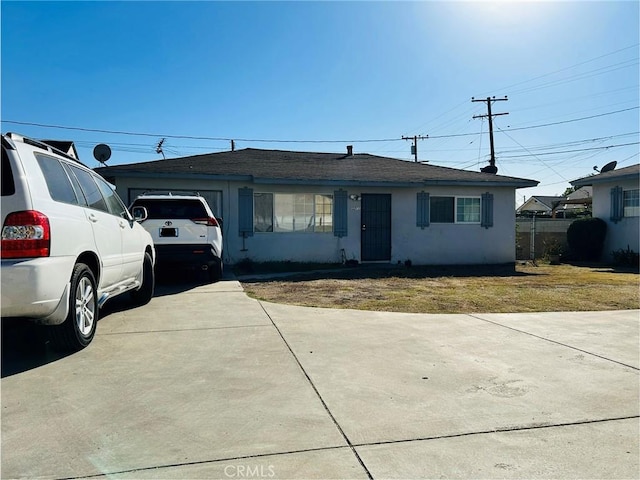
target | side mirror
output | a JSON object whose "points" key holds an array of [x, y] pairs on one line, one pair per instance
{"points": [[140, 214]]}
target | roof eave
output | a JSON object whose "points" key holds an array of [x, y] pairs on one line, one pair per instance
{"points": [[179, 176], [472, 183], [589, 181], [515, 183]]}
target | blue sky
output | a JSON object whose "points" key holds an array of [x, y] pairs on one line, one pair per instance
{"points": [[317, 76]]}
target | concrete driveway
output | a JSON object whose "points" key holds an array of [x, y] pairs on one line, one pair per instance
{"points": [[206, 383]]}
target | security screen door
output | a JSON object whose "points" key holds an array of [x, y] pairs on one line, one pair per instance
{"points": [[375, 238]]}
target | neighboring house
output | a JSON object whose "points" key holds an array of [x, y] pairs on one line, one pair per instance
{"points": [[540, 205], [616, 200], [557, 206], [327, 207], [67, 147]]}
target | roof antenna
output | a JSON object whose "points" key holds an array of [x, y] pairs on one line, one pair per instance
{"points": [[159, 148]]}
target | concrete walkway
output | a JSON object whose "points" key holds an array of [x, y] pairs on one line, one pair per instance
{"points": [[206, 383]]}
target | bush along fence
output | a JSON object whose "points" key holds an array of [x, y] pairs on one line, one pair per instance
{"points": [[538, 238]]}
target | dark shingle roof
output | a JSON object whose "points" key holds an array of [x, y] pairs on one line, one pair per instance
{"points": [[278, 166], [548, 200], [611, 175]]}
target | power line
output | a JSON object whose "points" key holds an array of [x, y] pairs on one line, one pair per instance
{"points": [[570, 121], [570, 67], [607, 147], [189, 137], [225, 139], [541, 161]]}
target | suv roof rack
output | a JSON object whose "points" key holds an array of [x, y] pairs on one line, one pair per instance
{"points": [[170, 193], [44, 146]]}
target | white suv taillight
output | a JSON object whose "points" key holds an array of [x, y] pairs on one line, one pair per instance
{"points": [[209, 222], [25, 235]]}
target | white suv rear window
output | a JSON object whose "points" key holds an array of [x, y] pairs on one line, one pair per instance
{"points": [[175, 209]]}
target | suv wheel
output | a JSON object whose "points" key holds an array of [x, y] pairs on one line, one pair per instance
{"points": [[78, 329], [216, 270], [143, 295]]}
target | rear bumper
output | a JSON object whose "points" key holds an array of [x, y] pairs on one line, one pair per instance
{"points": [[36, 288], [186, 254]]}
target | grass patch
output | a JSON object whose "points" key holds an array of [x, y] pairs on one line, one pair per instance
{"points": [[527, 288]]}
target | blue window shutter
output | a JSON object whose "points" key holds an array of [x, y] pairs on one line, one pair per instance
{"points": [[340, 217], [486, 208], [422, 210], [245, 212], [617, 207]]}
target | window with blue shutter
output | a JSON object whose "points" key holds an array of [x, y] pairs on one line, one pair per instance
{"points": [[245, 212], [487, 210], [422, 210], [617, 204], [340, 211]]}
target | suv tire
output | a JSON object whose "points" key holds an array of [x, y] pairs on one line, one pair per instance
{"points": [[216, 270], [78, 329], [144, 295]]}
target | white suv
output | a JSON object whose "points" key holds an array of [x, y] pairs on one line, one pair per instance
{"points": [[68, 243], [184, 230]]}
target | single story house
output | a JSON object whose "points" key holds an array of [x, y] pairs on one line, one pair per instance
{"points": [[326, 207], [616, 200], [539, 204], [557, 206]]}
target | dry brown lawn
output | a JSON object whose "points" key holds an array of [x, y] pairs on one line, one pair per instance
{"points": [[435, 289]]}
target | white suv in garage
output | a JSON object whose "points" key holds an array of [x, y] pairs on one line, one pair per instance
{"points": [[184, 230], [68, 243]]}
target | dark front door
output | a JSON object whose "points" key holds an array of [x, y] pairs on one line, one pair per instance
{"points": [[375, 238]]}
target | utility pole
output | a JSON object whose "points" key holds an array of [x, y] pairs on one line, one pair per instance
{"points": [[414, 147], [492, 162]]}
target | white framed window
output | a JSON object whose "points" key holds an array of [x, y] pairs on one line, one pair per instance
{"points": [[454, 209], [468, 210], [293, 212], [631, 203]]}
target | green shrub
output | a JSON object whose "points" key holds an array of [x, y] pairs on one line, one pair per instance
{"points": [[585, 237]]}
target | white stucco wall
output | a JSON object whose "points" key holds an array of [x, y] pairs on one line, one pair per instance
{"points": [[626, 232], [450, 244], [437, 244]]}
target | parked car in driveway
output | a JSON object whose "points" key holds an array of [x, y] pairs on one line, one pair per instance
{"points": [[69, 243], [185, 231]]}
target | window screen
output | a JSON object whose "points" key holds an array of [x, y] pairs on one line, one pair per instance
{"points": [[441, 209], [631, 203]]}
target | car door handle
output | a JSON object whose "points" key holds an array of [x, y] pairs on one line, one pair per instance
{"points": [[93, 217]]}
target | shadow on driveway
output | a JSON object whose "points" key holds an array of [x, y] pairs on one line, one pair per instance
{"points": [[25, 346]]}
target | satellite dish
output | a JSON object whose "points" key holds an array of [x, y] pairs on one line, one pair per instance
{"points": [[102, 153], [608, 167]]}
